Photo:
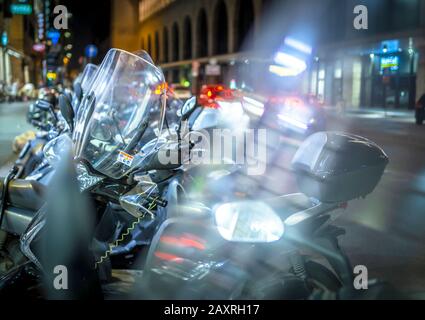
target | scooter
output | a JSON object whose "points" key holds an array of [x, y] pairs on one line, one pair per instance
{"points": [[45, 116], [152, 193], [23, 215], [207, 246], [271, 248]]}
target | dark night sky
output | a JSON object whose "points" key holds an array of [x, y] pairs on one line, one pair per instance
{"points": [[90, 24]]}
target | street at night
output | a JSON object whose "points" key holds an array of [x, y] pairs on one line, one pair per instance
{"points": [[387, 229], [212, 150]]}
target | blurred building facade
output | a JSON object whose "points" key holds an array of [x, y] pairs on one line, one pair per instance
{"points": [[15, 63], [383, 66], [34, 49]]}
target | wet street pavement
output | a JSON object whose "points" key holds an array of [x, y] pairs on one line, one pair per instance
{"points": [[385, 231]]}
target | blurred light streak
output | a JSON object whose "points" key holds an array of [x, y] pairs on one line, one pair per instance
{"points": [[300, 46], [253, 106], [292, 121], [290, 61], [183, 242], [283, 71], [168, 257]]}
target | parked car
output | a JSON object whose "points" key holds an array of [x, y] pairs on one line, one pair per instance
{"points": [[210, 95], [294, 114]]}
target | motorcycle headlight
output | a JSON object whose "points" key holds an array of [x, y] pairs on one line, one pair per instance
{"points": [[248, 221]]}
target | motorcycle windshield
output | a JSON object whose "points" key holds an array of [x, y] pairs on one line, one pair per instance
{"points": [[85, 80], [120, 114], [88, 76]]}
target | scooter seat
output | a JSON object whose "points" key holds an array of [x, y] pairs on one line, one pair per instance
{"points": [[24, 194], [298, 209], [288, 205]]}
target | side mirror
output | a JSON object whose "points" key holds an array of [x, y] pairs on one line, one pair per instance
{"points": [[48, 107], [67, 111], [187, 109], [43, 105]]}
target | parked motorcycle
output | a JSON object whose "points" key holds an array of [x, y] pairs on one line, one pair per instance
{"points": [[224, 245], [103, 146], [270, 248], [44, 115]]}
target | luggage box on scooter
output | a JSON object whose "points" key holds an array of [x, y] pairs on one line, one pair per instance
{"points": [[338, 167]]}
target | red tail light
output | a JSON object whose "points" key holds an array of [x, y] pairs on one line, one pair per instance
{"points": [[184, 241], [168, 257]]}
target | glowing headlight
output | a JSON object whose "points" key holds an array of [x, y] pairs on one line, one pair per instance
{"points": [[248, 221]]}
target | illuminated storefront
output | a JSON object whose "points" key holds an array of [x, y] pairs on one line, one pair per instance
{"points": [[389, 79], [374, 75]]}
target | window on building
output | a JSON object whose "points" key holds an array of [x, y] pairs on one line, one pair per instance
{"points": [[157, 54], [321, 84], [338, 70], [149, 48], [313, 85], [220, 28], [187, 47], [176, 42], [202, 35], [244, 25], [165, 46]]}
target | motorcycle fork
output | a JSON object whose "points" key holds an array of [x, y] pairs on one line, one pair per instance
{"points": [[327, 246], [3, 238], [297, 263], [330, 249]]}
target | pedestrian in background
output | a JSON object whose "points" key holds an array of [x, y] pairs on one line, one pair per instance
{"points": [[420, 110]]}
